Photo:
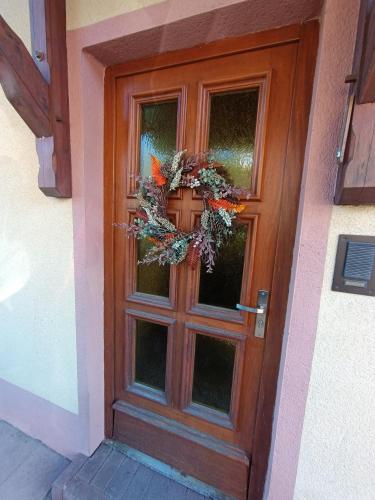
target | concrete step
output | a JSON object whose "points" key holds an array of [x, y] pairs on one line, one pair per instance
{"points": [[115, 471]]}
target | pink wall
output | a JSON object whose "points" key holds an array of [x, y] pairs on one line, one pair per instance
{"points": [[59, 429], [337, 40]]}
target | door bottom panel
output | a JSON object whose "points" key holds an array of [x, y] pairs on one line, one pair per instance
{"points": [[195, 453]]}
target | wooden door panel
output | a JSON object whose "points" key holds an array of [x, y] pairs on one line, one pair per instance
{"points": [[208, 459], [170, 338], [190, 401]]}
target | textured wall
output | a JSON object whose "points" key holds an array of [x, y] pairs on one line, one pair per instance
{"points": [[37, 312], [336, 46], [255, 15], [84, 12], [337, 457]]}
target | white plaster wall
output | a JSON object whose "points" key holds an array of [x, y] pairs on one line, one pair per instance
{"points": [[84, 12], [337, 456], [37, 312]]}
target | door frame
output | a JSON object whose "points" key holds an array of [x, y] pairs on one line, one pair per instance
{"points": [[307, 36]]}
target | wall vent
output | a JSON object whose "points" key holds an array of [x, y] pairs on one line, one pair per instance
{"points": [[355, 265]]}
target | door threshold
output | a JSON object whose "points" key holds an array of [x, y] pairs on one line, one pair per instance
{"points": [[197, 454], [171, 473]]}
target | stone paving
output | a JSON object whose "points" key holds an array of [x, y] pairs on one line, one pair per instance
{"points": [[29, 470], [27, 467]]}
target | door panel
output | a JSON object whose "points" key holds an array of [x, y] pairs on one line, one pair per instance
{"points": [[187, 364], [158, 131], [232, 125], [213, 361]]}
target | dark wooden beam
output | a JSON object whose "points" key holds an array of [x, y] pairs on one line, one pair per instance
{"points": [[356, 176], [48, 30], [355, 184], [22, 82], [366, 91], [37, 88], [38, 37]]}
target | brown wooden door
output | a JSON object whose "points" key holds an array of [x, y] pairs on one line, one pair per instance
{"points": [[187, 364]]}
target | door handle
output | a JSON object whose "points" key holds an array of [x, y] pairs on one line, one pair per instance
{"points": [[260, 310], [255, 310]]}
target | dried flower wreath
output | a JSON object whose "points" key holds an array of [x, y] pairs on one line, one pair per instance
{"points": [[221, 205]]}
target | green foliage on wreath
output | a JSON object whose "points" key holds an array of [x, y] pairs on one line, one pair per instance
{"points": [[221, 205]]}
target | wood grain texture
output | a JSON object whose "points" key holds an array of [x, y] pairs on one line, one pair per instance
{"points": [[355, 183], [356, 176], [366, 91], [109, 217], [198, 455], [37, 10], [48, 28], [220, 74], [38, 90], [23, 85], [271, 216]]}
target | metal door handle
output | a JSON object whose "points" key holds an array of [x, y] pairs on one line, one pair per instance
{"points": [[260, 310], [255, 310]]}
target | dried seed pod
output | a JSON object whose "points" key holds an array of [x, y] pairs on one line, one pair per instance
{"points": [[193, 255]]}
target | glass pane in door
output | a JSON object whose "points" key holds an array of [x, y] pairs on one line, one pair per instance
{"points": [[232, 126], [222, 288], [151, 278], [213, 372], [158, 132], [150, 354]]}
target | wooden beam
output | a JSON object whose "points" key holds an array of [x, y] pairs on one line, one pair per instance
{"points": [[355, 184], [38, 90], [38, 37], [48, 30], [367, 83], [356, 176], [22, 82]]}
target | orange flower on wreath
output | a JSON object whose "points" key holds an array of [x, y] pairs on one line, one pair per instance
{"points": [[155, 241], [227, 205], [156, 172]]}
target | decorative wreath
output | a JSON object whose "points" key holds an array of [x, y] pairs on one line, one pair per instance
{"points": [[221, 205]]}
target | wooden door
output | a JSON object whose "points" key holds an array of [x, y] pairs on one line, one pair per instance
{"points": [[187, 364]]}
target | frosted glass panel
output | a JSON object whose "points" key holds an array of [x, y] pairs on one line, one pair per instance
{"points": [[151, 278], [233, 117], [222, 288], [158, 132], [213, 372], [151, 354]]}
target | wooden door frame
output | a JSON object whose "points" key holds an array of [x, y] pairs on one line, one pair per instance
{"points": [[307, 36]]}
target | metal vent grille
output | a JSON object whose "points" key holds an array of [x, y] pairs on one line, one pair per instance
{"points": [[359, 261]]}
